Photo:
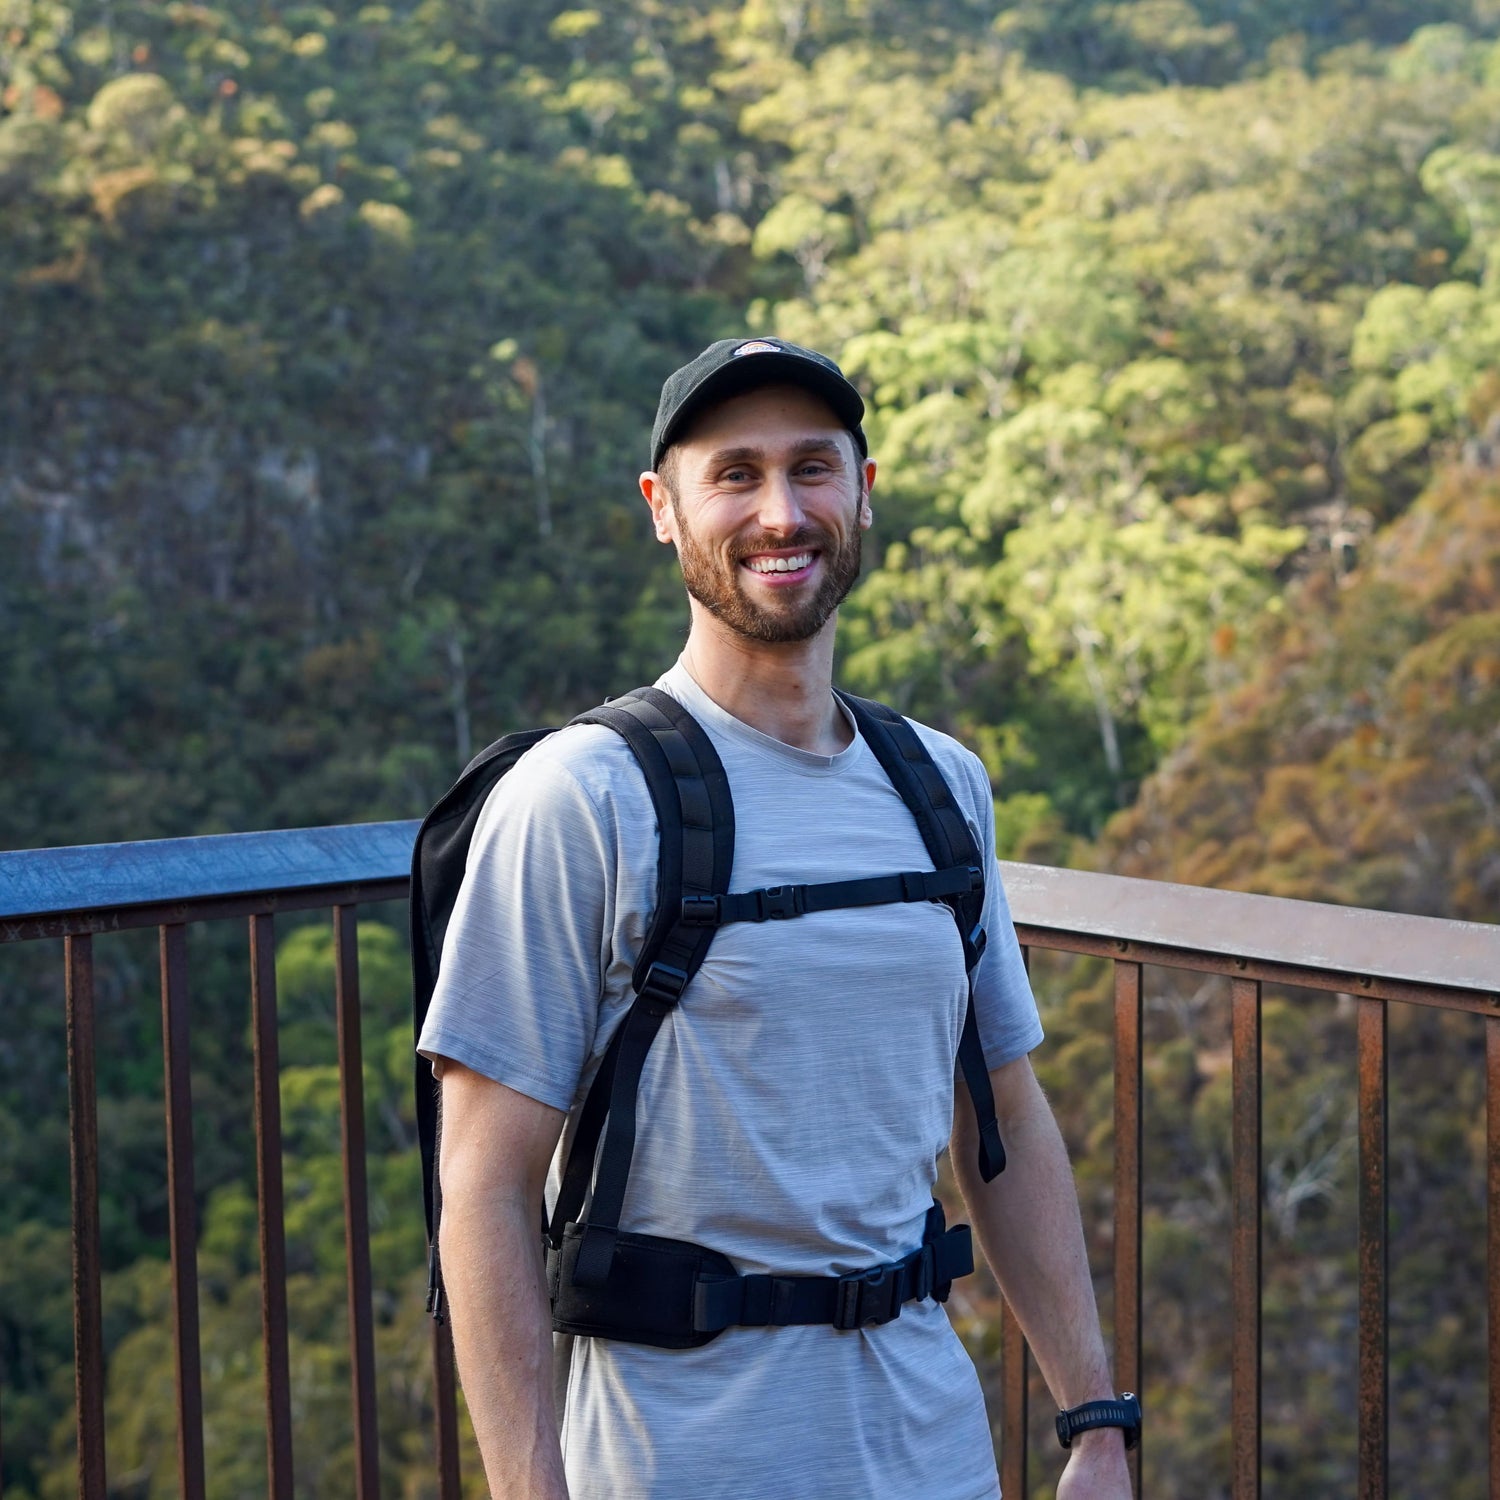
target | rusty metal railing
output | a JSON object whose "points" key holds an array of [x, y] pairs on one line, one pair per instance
{"points": [[76, 894], [1379, 958]]}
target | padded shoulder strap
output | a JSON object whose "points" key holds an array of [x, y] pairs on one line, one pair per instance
{"points": [[694, 814], [923, 788], [945, 831], [695, 818]]}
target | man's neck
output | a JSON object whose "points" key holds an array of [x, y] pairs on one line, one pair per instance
{"points": [[784, 690]]}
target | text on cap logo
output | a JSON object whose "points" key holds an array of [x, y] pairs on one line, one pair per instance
{"points": [[757, 346]]}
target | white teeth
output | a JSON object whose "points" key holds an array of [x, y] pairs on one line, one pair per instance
{"points": [[780, 564]]}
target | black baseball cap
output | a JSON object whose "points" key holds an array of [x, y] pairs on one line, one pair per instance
{"points": [[733, 366]]}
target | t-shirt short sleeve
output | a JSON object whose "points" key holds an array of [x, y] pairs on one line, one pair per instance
{"points": [[518, 991], [1004, 1007]]}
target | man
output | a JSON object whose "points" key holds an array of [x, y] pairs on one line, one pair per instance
{"points": [[795, 1102]]}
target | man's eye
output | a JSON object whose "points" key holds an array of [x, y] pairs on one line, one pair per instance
{"points": [[736, 476]]}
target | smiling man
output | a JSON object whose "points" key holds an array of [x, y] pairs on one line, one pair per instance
{"points": [[794, 1104]]}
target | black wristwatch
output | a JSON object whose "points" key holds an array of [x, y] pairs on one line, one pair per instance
{"points": [[1123, 1411]]}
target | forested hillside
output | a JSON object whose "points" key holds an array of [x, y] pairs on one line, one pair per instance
{"points": [[330, 337]]}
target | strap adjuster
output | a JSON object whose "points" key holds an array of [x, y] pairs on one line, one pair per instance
{"points": [[663, 984], [778, 902], [700, 911], [868, 1297], [976, 942]]}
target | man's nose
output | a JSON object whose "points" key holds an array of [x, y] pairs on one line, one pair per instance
{"points": [[780, 508]]}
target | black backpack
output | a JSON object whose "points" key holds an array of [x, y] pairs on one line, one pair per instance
{"points": [[646, 1289]]}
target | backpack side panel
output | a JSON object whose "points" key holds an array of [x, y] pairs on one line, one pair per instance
{"points": [[439, 860]]}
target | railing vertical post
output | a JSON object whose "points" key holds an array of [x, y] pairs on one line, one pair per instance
{"points": [[1373, 1383], [1244, 1273], [1128, 1018], [1015, 1378], [1492, 1131], [356, 1201], [182, 1211], [445, 1396], [270, 1206], [83, 1143], [1015, 1382]]}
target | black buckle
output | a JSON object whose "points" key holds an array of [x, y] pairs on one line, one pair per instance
{"points": [[867, 1297], [977, 941], [663, 984], [777, 902], [976, 879], [700, 911]]}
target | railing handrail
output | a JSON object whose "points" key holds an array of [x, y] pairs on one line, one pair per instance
{"points": [[153, 872], [1310, 935]]}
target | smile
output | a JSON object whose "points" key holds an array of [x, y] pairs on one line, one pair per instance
{"points": [[797, 563]]}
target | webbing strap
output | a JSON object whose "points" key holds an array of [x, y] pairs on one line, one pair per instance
{"points": [[579, 1168], [873, 1295], [977, 1077], [690, 790], [774, 902], [945, 831]]}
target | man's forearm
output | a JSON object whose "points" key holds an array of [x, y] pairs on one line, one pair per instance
{"points": [[1032, 1235], [502, 1336], [1029, 1227]]}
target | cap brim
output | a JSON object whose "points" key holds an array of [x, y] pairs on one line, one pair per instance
{"points": [[750, 371]]}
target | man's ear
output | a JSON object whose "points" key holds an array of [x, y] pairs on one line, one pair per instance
{"points": [[866, 515], [663, 519]]}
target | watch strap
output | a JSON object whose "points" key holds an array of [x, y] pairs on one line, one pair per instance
{"points": [[1123, 1411]]}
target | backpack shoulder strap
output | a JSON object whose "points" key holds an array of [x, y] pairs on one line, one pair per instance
{"points": [[924, 789], [695, 819], [945, 831]]}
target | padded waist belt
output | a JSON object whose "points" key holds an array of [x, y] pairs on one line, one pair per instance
{"points": [[677, 1295]]}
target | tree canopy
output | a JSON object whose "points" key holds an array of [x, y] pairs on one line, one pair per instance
{"points": [[331, 336]]}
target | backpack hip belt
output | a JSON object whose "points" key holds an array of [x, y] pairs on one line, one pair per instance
{"points": [[677, 1295]]}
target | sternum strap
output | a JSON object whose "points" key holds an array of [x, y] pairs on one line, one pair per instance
{"points": [[775, 902]]}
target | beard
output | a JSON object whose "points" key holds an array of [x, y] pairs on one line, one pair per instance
{"points": [[717, 587]]}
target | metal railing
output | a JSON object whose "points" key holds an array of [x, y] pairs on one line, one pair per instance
{"points": [[1378, 958]]}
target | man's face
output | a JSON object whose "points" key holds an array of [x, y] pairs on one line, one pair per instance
{"points": [[767, 504]]}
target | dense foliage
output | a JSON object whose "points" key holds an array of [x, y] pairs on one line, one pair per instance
{"points": [[331, 336]]}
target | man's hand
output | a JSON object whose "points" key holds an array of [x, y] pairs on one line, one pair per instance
{"points": [[1096, 1467]]}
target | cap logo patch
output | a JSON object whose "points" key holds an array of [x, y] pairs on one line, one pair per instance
{"points": [[757, 346]]}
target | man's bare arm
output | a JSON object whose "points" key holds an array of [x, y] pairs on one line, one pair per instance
{"points": [[1029, 1227], [496, 1146]]}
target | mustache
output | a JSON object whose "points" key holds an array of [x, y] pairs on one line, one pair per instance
{"points": [[806, 538]]}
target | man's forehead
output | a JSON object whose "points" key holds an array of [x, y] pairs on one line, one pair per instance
{"points": [[768, 417]]}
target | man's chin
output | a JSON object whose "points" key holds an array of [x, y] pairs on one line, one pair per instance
{"points": [[771, 627]]}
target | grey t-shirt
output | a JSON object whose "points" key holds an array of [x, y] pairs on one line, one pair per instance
{"points": [[792, 1108]]}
